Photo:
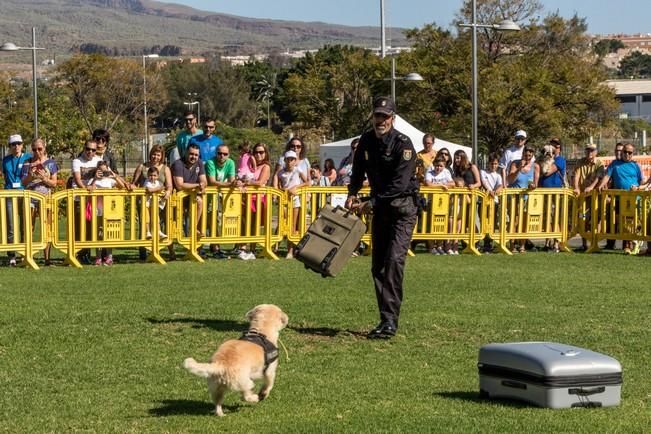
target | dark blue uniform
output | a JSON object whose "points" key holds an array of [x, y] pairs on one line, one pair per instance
{"points": [[389, 163]]}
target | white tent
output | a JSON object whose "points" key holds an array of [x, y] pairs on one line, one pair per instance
{"points": [[339, 150]]}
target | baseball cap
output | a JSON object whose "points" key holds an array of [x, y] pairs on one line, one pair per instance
{"points": [[15, 138], [591, 146], [384, 105], [290, 154], [521, 133]]}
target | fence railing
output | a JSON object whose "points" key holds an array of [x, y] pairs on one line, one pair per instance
{"points": [[75, 220]]}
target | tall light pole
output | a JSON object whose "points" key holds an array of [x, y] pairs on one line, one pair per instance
{"points": [[12, 47], [192, 103], [144, 93], [383, 34], [504, 26], [193, 95], [412, 76]]}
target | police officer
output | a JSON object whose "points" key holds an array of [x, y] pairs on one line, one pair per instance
{"points": [[388, 158]]}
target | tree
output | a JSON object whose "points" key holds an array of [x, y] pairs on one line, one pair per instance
{"points": [[16, 111], [607, 46], [332, 89], [544, 81], [221, 89], [108, 91], [635, 65]]}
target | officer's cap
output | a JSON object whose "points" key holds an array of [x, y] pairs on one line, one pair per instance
{"points": [[384, 105]]}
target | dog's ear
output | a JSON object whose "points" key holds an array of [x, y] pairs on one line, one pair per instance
{"points": [[250, 314], [284, 319]]}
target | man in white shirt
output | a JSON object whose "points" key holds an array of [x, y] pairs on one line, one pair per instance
{"points": [[513, 153], [83, 172]]}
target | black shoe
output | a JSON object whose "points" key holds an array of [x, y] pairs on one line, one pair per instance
{"points": [[384, 330]]}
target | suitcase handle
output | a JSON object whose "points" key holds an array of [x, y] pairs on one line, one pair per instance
{"points": [[514, 384], [580, 391], [346, 211]]}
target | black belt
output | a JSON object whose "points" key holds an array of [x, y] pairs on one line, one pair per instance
{"points": [[270, 350]]}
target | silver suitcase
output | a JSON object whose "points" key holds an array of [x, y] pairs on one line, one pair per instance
{"points": [[549, 374]]}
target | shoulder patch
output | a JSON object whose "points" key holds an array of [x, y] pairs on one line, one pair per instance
{"points": [[402, 137], [406, 154]]}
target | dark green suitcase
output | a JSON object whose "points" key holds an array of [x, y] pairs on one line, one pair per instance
{"points": [[330, 240]]}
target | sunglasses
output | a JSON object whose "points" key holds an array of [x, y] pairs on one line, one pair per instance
{"points": [[259, 152], [295, 146], [627, 152], [16, 144], [223, 153], [189, 119], [209, 127], [37, 149], [91, 149], [444, 153]]}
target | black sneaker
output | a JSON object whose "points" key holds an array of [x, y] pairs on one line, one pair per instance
{"points": [[219, 254], [384, 330]]}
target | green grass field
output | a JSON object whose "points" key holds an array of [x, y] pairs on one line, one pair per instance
{"points": [[100, 349]]}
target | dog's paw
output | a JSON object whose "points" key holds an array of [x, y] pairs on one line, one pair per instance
{"points": [[187, 363], [251, 398]]}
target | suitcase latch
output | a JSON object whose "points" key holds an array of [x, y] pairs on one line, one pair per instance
{"points": [[329, 230]]}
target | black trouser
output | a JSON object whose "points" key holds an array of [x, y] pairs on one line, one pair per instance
{"points": [[392, 230]]}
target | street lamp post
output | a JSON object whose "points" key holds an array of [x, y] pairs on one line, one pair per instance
{"points": [[193, 95], [504, 26], [412, 76], [383, 35], [12, 47], [144, 93], [191, 104]]}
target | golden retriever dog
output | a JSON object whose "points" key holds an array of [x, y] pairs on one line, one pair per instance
{"points": [[238, 362]]}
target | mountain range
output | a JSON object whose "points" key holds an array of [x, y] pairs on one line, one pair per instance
{"points": [[136, 25]]}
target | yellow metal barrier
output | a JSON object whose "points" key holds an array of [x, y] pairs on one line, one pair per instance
{"points": [[532, 214], [583, 216], [231, 216], [622, 215], [453, 214], [263, 215], [108, 219], [16, 210]]}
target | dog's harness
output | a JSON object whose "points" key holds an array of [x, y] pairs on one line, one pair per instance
{"points": [[270, 350]]}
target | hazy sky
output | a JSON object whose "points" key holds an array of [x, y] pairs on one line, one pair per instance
{"points": [[603, 16]]}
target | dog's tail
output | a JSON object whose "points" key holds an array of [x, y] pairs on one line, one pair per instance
{"points": [[204, 370]]}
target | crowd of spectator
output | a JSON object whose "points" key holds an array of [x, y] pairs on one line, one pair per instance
{"points": [[201, 159]]}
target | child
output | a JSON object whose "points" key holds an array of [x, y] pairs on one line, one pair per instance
{"points": [[316, 178], [290, 178], [246, 164], [491, 180], [438, 175], [104, 178], [153, 185]]}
